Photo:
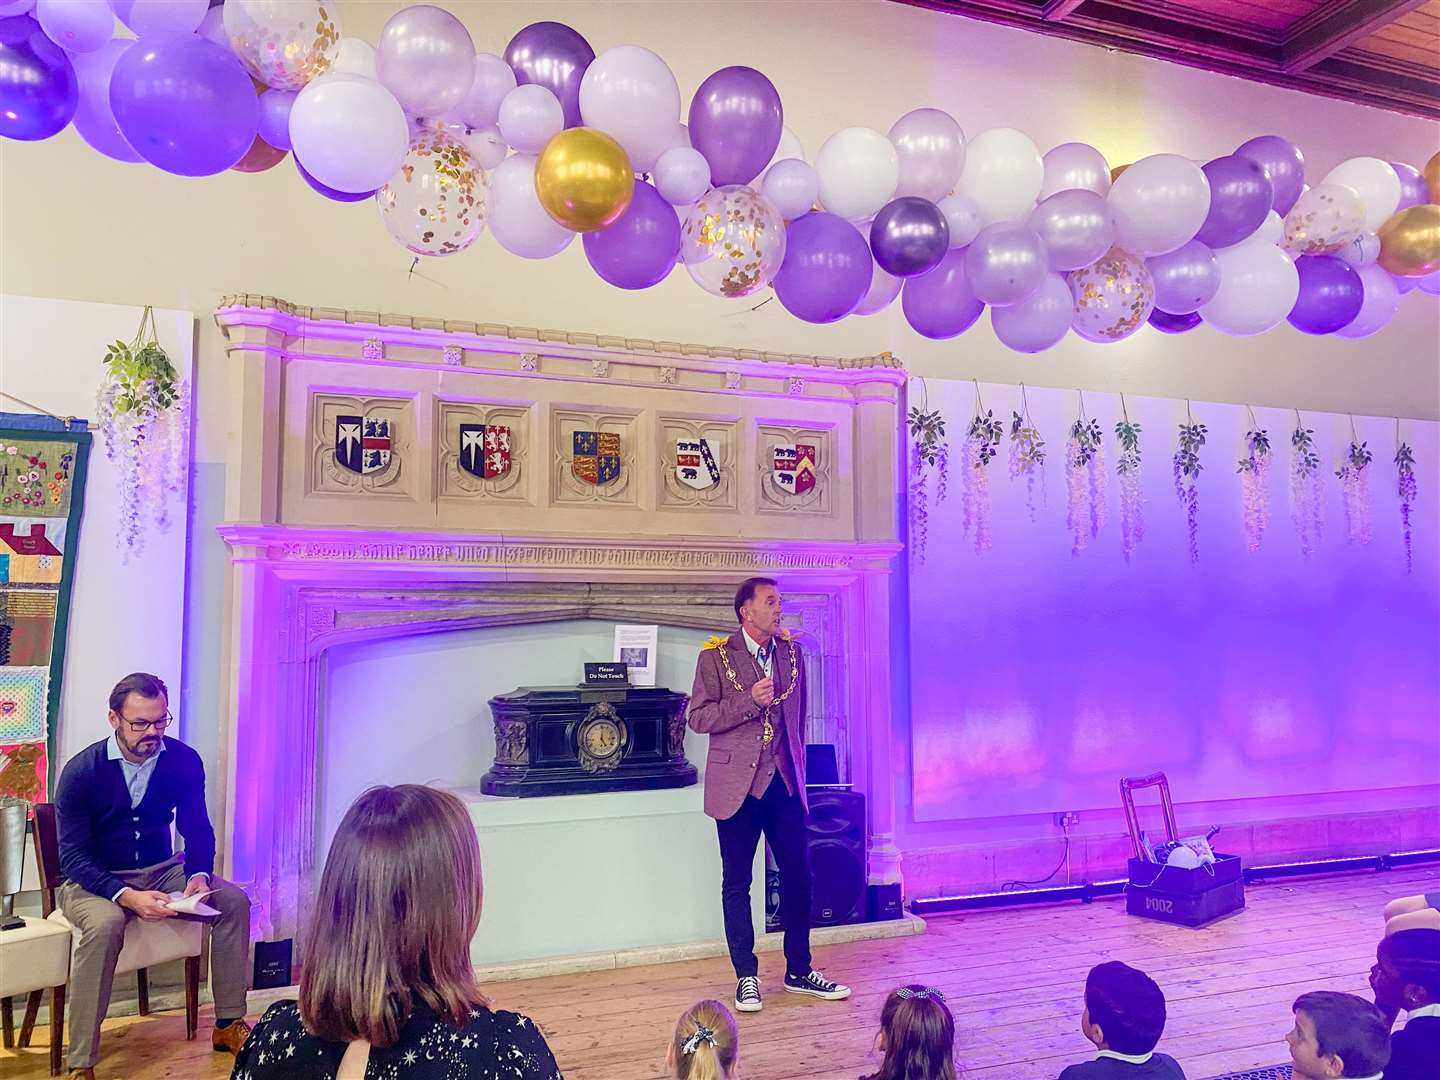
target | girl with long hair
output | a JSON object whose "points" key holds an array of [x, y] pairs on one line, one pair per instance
{"points": [[917, 1036], [706, 1043]]}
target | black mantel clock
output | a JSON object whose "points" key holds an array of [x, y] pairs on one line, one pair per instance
{"points": [[567, 740]]}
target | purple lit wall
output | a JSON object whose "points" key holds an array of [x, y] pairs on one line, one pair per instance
{"points": [[1038, 678]]}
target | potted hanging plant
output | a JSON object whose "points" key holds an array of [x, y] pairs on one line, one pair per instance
{"points": [[141, 408], [1127, 467], [1354, 476], [1407, 488], [1027, 453], [981, 446], [928, 450], [1187, 469], [1084, 481], [1254, 470], [1305, 503]]}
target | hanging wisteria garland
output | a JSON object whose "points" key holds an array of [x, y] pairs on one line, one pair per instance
{"points": [[1187, 469], [928, 449], [1407, 489], [981, 446], [1354, 475], [1132, 493], [1254, 470], [1027, 453], [1306, 506], [1084, 481]]}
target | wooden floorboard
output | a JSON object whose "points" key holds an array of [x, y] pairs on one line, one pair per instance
{"points": [[1013, 978]]}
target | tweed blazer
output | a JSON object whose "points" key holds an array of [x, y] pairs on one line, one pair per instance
{"points": [[732, 720]]}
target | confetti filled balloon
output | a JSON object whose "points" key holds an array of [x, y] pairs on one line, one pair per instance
{"points": [[733, 242], [435, 203], [584, 179], [1410, 241], [283, 43], [1113, 297], [1323, 220]]}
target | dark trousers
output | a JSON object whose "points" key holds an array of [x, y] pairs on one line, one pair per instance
{"points": [[781, 817]]}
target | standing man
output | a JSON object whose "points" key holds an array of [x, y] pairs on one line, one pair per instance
{"points": [[116, 801], [749, 697]]}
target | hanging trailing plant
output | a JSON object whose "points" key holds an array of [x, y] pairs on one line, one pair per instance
{"points": [[928, 450], [1355, 488], [981, 446], [142, 406], [1187, 469], [1027, 453], [1306, 505], [1254, 470], [1132, 495], [1084, 481], [1407, 489]]}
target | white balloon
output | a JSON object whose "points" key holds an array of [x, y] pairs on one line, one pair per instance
{"points": [[486, 146], [858, 170], [629, 93], [884, 288], [1382, 299], [349, 132], [1362, 251], [1258, 288], [1376, 183], [1002, 175], [790, 146], [1158, 204], [494, 78], [682, 175], [931, 147], [792, 187], [356, 57], [517, 220], [963, 217], [530, 116]]}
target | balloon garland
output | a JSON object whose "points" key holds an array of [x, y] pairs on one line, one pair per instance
{"points": [[550, 140]]}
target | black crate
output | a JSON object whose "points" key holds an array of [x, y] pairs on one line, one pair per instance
{"points": [[1182, 896]]}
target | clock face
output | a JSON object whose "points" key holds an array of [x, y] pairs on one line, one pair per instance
{"points": [[602, 739]]}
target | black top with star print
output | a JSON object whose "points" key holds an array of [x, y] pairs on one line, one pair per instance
{"points": [[490, 1046]]}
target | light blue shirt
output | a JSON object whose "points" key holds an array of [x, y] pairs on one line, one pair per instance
{"points": [[763, 660], [137, 777]]}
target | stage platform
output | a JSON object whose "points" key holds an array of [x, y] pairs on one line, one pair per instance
{"points": [[1013, 977]]}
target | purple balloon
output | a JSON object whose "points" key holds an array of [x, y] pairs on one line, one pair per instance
{"points": [[909, 236], [641, 247], [185, 104], [94, 119], [736, 121], [552, 55], [1331, 294], [1284, 167], [275, 117], [329, 192], [941, 304], [1240, 197], [1174, 324], [1186, 279], [1412, 186], [827, 268], [1075, 227], [1006, 263], [38, 87]]}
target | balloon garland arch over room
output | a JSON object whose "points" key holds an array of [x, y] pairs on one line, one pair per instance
{"points": [[550, 140]]}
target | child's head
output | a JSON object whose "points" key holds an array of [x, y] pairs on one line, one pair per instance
{"points": [[1124, 1009], [917, 1035], [706, 1043], [1337, 1035], [1406, 974]]}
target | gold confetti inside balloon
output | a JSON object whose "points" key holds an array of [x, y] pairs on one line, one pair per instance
{"points": [[1432, 177], [1410, 241], [584, 179], [283, 43], [733, 241], [1323, 220], [435, 204], [1114, 296]]}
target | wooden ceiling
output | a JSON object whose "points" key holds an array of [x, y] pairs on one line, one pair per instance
{"points": [[1379, 52]]}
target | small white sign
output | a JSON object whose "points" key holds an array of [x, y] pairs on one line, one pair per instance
{"points": [[635, 647]]}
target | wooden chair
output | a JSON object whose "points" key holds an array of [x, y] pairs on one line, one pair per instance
{"points": [[146, 943]]}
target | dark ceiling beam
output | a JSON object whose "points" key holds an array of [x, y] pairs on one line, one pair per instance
{"points": [[1339, 25], [1059, 10]]}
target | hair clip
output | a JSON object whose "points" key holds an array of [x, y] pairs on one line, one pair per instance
{"points": [[702, 1035], [928, 992]]}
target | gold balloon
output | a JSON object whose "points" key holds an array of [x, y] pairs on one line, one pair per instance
{"points": [[1116, 171], [1432, 177], [584, 179], [1410, 241]]}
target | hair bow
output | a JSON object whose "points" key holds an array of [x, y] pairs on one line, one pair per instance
{"points": [[702, 1035], [928, 992]]}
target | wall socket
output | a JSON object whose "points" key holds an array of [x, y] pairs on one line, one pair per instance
{"points": [[1067, 819]]}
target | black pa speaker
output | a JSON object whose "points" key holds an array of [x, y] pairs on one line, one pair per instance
{"points": [[821, 767], [836, 828]]}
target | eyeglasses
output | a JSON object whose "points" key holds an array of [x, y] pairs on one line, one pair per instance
{"points": [[142, 726]]}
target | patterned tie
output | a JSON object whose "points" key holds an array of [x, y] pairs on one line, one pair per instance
{"points": [[765, 652]]}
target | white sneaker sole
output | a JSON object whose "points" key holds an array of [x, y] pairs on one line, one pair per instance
{"points": [[749, 1006], [834, 995]]}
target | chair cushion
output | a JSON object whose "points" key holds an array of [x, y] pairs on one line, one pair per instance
{"points": [[34, 957], [149, 943]]}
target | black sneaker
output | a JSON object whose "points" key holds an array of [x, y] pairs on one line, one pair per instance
{"points": [[816, 985], [747, 995]]}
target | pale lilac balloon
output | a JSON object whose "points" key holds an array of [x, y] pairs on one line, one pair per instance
{"points": [[735, 121], [425, 57], [1429, 284], [486, 145], [212, 27], [1185, 279], [530, 116], [1075, 227], [552, 55], [77, 26], [682, 175], [1284, 166], [275, 108], [931, 149], [15, 7], [941, 304], [1412, 186], [1039, 321], [962, 218], [1380, 302], [517, 220], [641, 247], [629, 93], [792, 186], [1006, 263], [1240, 198], [94, 120], [493, 80], [827, 268], [909, 236], [151, 17], [884, 288], [1158, 203], [1075, 166]]}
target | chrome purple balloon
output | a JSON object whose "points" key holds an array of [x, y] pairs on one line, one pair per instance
{"points": [[909, 236], [38, 87], [1412, 186], [552, 55], [735, 121]]}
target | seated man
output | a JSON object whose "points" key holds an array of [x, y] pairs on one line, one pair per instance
{"points": [[115, 802], [1406, 976], [1337, 1035]]}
